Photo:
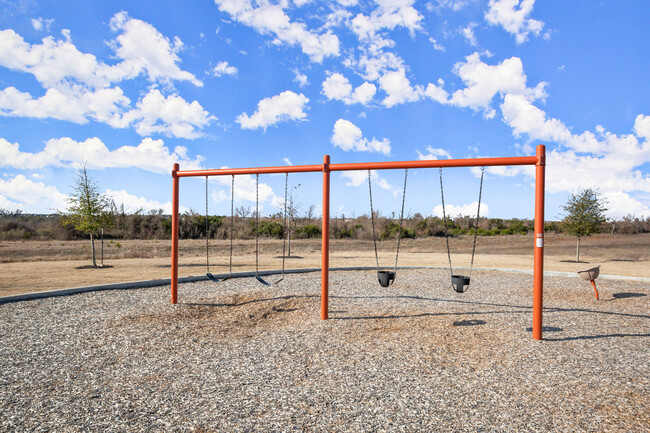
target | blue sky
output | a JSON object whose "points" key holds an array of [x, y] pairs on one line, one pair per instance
{"points": [[130, 87]]}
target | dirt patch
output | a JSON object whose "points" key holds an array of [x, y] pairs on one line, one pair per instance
{"points": [[225, 318], [33, 266]]}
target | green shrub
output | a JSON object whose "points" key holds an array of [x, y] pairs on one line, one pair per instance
{"points": [[309, 231]]}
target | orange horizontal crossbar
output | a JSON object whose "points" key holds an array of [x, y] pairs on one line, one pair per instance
{"points": [[428, 163]]}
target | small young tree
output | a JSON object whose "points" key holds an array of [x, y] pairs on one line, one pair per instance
{"points": [[89, 210], [585, 215]]}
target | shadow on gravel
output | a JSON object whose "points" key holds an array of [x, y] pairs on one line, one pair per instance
{"points": [[625, 295], [595, 337], [469, 322]]}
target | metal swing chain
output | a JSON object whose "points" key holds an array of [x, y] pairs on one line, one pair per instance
{"points": [[257, 226], [207, 234], [478, 213], [372, 218], [444, 218], [232, 218], [284, 238], [401, 218]]}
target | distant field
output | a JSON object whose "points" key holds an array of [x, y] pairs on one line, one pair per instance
{"points": [[29, 266]]}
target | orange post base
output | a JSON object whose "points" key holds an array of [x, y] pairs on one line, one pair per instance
{"points": [[593, 283]]}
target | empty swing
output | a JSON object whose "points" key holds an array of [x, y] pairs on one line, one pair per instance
{"points": [[207, 232], [257, 231], [460, 283], [386, 277]]}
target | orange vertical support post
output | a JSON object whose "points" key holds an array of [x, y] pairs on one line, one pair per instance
{"points": [[325, 246], [538, 266], [174, 282]]}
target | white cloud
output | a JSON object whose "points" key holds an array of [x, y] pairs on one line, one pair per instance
{"points": [[299, 78], [337, 87], [102, 105], [374, 65], [170, 115], [468, 34], [29, 196], [78, 86], [360, 177], [151, 155], [484, 81], [59, 64], [512, 16], [398, 89], [133, 203], [155, 113], [437, 45], [642, 126], [279, 108], [268, 18], [470, 209], [143, 48], [389, 14], [40, 23], [348, 136], [433, 153], [223, 68], [454, 5]]}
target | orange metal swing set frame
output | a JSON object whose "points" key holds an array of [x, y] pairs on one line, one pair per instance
{"points": [[539, 161]]}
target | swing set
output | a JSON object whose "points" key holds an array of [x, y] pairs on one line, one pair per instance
{"points": [[460, 283]]}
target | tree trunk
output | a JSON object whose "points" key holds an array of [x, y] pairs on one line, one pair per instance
{"points": [[578, 250], [92, 243]]}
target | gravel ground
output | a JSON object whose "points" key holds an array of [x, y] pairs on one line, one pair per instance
{"points": [[237, 356]]}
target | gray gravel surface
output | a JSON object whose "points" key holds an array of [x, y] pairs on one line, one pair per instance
{"points": [[238, 356]]}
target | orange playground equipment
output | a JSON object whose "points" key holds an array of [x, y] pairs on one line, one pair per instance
{"points": [[539, 161]]}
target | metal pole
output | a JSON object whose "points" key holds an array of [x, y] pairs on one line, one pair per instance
{"points": [[174, 282], [102, 257], [325, 251], [538, 267]]}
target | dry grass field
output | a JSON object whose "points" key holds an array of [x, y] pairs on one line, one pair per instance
{"points": [[31, 266]]}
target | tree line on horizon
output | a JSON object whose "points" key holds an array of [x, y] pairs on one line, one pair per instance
{"points": [[154, 224], [91, 213]]}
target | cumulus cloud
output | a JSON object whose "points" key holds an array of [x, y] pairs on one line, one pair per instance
{"points": [[388, 15], [143, 49], [512, 16], [55, 63], [29, 196], [468, 34], [223, 68], [300, 78], [484, 81], [337, 87], [79, 87], [348, 136], [398, 89], [433, 153], [170, 115], [270, 19], [133, 203], [279, 108], [42, 23], [470, 209], [150, 155], [360, 177]]}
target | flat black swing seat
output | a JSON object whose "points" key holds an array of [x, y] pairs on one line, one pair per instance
{"points": [[386, 278], [215, 279], [460, 283], [266, 283]]}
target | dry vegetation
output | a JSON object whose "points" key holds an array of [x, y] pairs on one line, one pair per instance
{"points": [[29, 266]]}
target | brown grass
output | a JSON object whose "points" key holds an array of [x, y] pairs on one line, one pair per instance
{"points": [[31, 266]]}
